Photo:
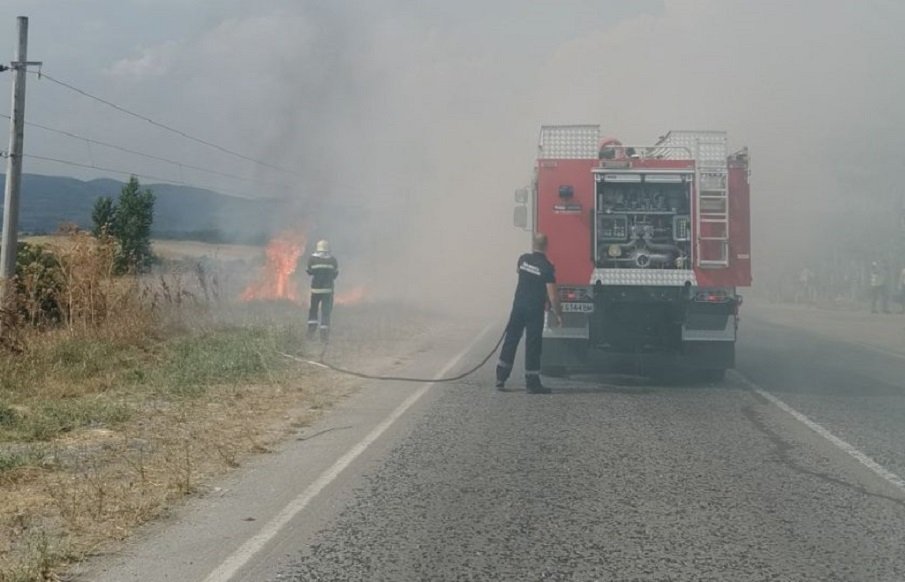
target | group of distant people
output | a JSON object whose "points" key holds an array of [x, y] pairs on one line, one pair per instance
{"points": [[879, 289], [810, 288]]}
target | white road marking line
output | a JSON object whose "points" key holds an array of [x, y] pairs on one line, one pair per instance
{"points": [[871, 464], [880, 350], [863, 345], [228, 568]]}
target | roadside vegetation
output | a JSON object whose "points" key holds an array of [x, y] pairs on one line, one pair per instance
{"points": [[124, 387]]}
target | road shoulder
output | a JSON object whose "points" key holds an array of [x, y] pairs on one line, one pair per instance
{"points": [[201, 535]]}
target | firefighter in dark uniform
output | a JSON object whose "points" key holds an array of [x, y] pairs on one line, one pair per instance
{"points": [[536, 288], [324, 269]]}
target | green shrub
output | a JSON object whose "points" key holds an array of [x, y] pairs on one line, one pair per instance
{"points": [[39, 284]]}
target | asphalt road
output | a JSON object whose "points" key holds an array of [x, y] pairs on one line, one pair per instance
{"points": [[608, 478]]}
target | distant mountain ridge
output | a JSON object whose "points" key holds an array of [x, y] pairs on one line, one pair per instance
{"points": [[179, 211]]}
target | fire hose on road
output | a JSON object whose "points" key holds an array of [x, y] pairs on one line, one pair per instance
{"points": [[320, 363]]}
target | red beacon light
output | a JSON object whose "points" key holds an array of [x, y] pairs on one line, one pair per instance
{"points": [[611, 148]]}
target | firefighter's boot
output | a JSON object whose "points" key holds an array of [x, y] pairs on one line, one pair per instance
{"points": [[325, 333], [502, 374], [534, 386], [312, 329]]}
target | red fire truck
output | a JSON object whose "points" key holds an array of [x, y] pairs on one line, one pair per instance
{"points": [[650, 245]]}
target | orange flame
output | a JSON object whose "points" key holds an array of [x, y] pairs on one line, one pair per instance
{"points": [[275, 280], [351, 297]]}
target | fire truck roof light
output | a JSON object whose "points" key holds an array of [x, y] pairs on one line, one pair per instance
{"points": [[622, 177]]}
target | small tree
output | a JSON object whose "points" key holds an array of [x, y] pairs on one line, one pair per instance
{"points": [[128, 221], [133, 217], [103, 215]]}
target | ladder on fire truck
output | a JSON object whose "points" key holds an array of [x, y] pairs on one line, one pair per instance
{"points": [[710, 151]]}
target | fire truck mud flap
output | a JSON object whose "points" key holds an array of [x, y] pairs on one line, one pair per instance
{"points": [[708, 337], [565, 349]]}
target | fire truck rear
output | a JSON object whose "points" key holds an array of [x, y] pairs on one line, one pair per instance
{"points": [[650, 245]]}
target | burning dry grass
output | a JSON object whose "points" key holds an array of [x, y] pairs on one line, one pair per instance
{"points": [[276, 279], [354, 296], [146, 389]]}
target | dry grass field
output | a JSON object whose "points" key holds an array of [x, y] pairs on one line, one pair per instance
{"points": [[146, 388], [174, 249]]}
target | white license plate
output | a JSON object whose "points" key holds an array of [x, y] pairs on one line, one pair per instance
{"points": [[578, 307]]}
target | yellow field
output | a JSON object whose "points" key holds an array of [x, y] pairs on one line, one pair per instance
{"points": [[181, 249], [174, 249]]}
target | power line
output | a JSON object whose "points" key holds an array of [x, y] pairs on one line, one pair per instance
{"points": [[42, 75], [137, 175], [134, 152], [93, 167]]}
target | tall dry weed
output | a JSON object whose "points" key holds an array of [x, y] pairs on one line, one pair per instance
{"points": [[79, 288], [87, 267]]}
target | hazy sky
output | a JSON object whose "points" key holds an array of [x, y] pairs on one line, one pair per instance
{"points": [[244, 73], [429, 110]]}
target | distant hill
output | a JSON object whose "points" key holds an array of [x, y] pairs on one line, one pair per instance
{"points": [[179, 212]]}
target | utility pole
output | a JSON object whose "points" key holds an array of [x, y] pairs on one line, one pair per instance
{"points": [[9, 240]]}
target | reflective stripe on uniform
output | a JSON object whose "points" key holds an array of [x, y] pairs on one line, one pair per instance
{"points": [[502, 364], [529, 268], [321, 291], [532, 373], [322, 266]]}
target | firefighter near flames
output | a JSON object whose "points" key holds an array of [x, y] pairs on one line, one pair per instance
{"points": [[323, 269], [650, 245]]}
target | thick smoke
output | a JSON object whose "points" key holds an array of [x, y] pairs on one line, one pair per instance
{"points": [[416, 122], [402, 159], [409, 124], [401, 149]]}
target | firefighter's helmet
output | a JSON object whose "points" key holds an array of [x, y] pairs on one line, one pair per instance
{"points": [[323, 246]]}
